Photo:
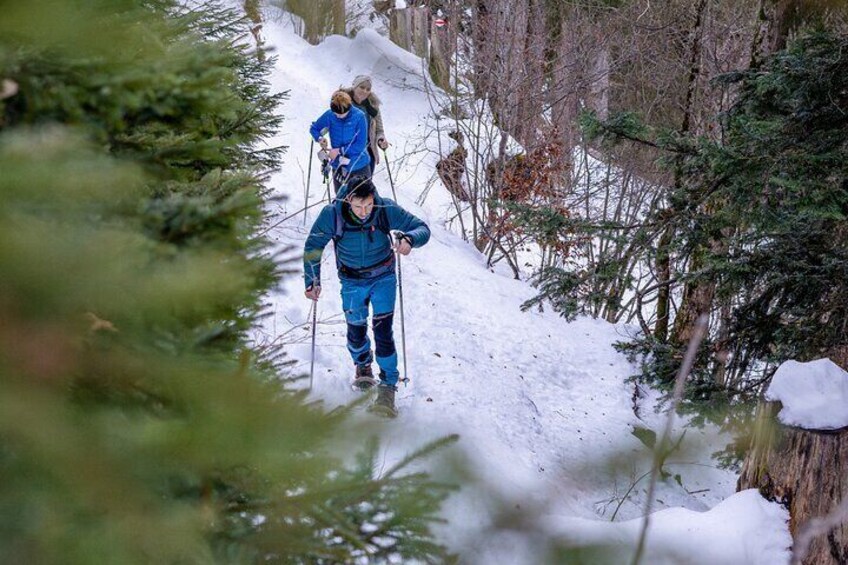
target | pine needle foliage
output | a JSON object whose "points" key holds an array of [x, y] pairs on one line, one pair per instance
{"points": [[764, 210], [782, 182], [571, 288], [136, 424]]}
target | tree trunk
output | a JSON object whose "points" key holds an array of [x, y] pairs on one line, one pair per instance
{"points": [[531, 91], [564, 94], [697, 294], [663, 255], [318, 18], [783, 19], [806, 470], [725, 310], [775, 21], [409, 28], [697, 298], [442, 41], [599, 81], [339, 17], [483, 58]]}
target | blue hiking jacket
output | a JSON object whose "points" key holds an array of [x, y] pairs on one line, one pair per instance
{"points": [[361, 245], [349, 135]]}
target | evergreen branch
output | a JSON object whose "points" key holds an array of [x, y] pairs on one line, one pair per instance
{"points": [[421, 452]]}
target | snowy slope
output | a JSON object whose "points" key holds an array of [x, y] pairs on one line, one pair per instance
{"points": [[542, 405]]}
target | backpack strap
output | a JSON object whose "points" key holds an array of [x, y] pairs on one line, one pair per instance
{"points": [[338, 224], [381, 222]]}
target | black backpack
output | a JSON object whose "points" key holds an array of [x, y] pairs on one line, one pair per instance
{"points": [[381, 222]]}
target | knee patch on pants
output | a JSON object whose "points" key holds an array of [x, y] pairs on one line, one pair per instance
{"points": [[358, 344], [356, 335], [383, 338]]}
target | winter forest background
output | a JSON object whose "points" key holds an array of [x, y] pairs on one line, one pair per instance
{"points": [[634, 303]]}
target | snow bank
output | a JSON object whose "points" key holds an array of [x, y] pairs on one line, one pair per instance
{"points": [[744, 529], [814, 395]]}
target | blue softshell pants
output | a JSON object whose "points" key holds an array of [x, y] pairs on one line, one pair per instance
{"points": [[379, 293]]}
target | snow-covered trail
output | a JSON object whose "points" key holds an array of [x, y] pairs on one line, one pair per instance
{"points": [[541, 405], [529, 393]]}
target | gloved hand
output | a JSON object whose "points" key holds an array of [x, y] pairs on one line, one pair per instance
{"points": [[403, 243], [313, 292], [326, 169], [382, 143]]}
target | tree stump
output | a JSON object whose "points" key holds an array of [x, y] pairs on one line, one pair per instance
{"points": [[805, 470]]}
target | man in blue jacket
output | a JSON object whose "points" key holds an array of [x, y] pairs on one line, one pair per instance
{"points": [[347, 149], [359, 226]]}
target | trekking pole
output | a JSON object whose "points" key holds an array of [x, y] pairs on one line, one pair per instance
{"points": [[314, 323], [405, 379], [325, 170], [389, 169], [308, 179]]}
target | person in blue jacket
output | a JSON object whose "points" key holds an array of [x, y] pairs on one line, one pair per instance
{"points": [[366, 230], [347, 149]]}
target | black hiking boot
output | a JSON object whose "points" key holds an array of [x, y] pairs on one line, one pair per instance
{"points": [[384, 405], [364, 379]]}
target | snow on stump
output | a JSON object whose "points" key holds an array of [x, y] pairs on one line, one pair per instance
{"points": [[799, 453]]}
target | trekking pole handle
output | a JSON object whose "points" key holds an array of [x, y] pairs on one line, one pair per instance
{"points": [[399, 236]]}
